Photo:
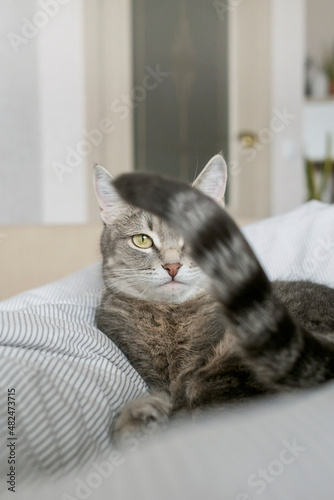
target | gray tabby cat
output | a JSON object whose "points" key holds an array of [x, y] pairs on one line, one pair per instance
{"points": [[188, 303]]}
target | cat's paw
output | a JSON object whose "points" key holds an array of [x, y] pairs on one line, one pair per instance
{"points": [[141, 417]]}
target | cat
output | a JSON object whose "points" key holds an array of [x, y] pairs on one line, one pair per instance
{"points": [[188, 303]]}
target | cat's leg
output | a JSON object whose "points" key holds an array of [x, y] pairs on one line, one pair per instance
{"points": [[221, 378], [280, 352], [141, 416]]}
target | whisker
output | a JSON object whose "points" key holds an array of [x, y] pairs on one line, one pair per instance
{"points": [[145, 290], [196, 170]]}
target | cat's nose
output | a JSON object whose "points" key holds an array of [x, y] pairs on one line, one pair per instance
{"points": [[172, 269]]}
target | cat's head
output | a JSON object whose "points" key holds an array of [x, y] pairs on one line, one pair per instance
{"points": [[142, 256]]}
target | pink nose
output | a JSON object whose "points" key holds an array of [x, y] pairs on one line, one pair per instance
{"points": [[172, 269]]}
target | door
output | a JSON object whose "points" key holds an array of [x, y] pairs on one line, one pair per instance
{"points": [[185, 79], [249, 91], [212, 95], [180, 101]]}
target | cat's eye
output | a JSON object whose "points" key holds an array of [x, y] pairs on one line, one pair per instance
{"points": [[142, 241]]}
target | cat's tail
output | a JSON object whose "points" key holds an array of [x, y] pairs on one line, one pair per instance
{"points": [[280, 351]]}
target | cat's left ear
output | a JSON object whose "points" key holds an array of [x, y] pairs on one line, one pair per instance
{"points": [[111, 205], [212, 180]]}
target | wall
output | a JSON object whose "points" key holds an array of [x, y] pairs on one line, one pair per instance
{"points": [[108, 50], [318, 113], [249, 102], [319, 28], [62, 117], [288, 185], [66, 62], [20, 183], [267, 40], [42, 112]]}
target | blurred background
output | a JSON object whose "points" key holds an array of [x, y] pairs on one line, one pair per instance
{"points": [[155, 86]]}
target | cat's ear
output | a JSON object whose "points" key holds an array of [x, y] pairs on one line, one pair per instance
{"points": [[212, 180], [110, 202]]}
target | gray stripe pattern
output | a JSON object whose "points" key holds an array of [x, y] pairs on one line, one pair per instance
{"points": [[69, 378]]}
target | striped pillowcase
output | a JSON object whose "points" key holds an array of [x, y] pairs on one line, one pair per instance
{"points": [[69, 378]]}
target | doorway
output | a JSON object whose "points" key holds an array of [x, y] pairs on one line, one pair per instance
{"points": [[180, 49]]}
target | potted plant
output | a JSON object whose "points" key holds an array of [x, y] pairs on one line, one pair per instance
{"points": [[319, 176], [329, 69]]}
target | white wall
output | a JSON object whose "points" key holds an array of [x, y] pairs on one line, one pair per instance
{"points": [[249, 108], [42, 111], [65, 62], [108, 28], [62, 118], [318, 125], [288, 185], [20, 183]]}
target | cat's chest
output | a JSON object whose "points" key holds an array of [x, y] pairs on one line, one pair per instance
{"points": [[165, 336], [162, 329], [160, 339]]}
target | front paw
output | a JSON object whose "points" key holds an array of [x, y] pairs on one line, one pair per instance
{"points": [[141, 417]]}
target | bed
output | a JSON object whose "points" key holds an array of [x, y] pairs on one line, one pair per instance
{"points": [[70, 380]]}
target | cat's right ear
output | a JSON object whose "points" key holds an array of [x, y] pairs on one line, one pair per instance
{"points": [[212, 180], [110, 202]]}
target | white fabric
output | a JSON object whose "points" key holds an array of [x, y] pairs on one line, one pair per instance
{"points": [[69, 377], [297, 245], [282, 449]]}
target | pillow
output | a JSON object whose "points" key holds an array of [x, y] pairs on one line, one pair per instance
{"points": [[298, 245], [70, 379]]}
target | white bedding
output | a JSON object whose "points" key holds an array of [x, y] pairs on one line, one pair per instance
{"points": [[297, 245], [68, 376]]}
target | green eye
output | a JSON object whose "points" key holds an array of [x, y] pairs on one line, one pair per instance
{"points": [[142, 241]]}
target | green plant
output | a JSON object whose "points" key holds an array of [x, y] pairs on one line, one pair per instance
{"points": [[328, 65], [318, 179]]}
